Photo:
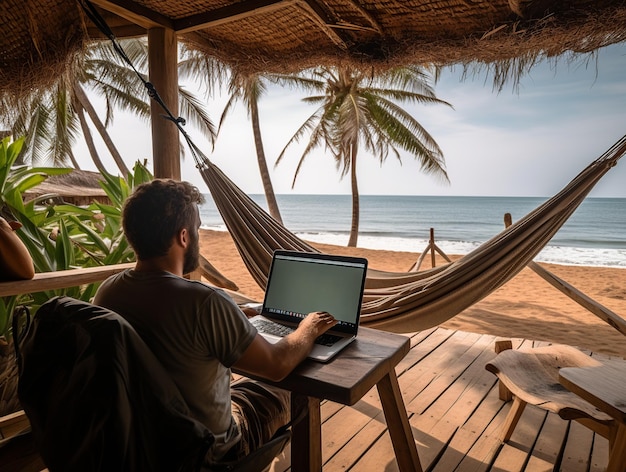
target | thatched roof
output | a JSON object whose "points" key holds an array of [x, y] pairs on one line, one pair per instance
{"points": [[79, 187], [39, 38]]}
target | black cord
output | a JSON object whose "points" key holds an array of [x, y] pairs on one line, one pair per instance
{"points": [[20, 331], [199, 157]]}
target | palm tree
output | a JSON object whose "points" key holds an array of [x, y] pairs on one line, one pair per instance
{"points": [[357, 108], [249, 89], [51, 119], [213, 74]]}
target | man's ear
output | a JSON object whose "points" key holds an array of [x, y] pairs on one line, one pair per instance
{"points": [[183, 238]]}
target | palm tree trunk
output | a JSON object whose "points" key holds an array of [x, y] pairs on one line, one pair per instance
{"points": [[84, 100], [73, 159], [354, 229], [93, 152], [272, 204]]}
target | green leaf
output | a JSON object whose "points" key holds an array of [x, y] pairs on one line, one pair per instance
{"points": [[70, 210], [7, 308], [121, 252], [29, 182], [93, 236], [10, 152], [64, 254]]}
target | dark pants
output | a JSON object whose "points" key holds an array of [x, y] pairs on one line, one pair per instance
{"points": [[259, 410]]}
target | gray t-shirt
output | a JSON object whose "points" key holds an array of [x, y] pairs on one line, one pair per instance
{"points": [[197, 332]]}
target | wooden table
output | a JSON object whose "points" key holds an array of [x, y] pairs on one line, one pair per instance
{"points": [[604, 387], [370, 360]]}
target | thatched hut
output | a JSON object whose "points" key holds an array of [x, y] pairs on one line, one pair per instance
{"points": [[79, 187]]}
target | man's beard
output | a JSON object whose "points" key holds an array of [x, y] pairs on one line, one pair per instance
{"points": [[192, 255]]}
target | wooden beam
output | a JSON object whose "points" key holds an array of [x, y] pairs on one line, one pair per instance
{"points": [[135, 13], [606, 315], [44, 281], [369, 17], [122, 31], [163, 67], [227, 14], [121, 27], [147, 19], [317, 14]]}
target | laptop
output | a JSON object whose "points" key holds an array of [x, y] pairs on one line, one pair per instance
{"points": [[303, 282]]}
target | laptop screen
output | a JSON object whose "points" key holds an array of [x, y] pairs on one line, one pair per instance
{"points": [[300, 283]]}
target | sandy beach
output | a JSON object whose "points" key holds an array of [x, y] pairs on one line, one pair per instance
{"points": [[525, 307]]}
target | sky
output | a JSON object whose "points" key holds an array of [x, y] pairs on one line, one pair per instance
{"points": [[529, 140]]}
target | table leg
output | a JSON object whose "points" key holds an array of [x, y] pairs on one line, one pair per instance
{"points": [[617, 459], [398, 424], [306, 441]]}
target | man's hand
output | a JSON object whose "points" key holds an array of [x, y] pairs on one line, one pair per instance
{"points": [[318, 322], [275, 361], [249, 312]]}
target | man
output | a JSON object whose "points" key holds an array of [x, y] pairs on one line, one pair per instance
{"points": [[196, 331]]}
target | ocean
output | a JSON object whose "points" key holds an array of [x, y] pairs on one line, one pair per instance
{"points": [[595, 235]]}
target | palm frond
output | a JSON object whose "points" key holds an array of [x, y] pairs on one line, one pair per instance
{"points": [[191, 107], [232, 99], [210, 73], [308, 125]]}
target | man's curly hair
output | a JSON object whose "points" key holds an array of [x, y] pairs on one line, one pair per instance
{"points": [[156, 211]]}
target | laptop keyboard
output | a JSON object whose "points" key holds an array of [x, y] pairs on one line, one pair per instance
{"points": [[269, 327]]}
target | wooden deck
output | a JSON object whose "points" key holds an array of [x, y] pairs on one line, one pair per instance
{"points": [[456, 417]]}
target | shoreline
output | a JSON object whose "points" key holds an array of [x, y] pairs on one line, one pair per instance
{"points": [[525, 307], [578, 256]]}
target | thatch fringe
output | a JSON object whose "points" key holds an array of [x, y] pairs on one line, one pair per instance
{"points": [[40, 39]]}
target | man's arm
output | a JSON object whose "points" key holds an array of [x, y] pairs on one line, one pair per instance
{"points": [[275, 361], [15, 260]]}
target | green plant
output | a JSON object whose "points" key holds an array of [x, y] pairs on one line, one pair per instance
{"points": [[91, 236], [14, 181], [63, 236]]}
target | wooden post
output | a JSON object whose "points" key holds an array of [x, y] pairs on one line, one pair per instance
{"points": [[306, 442], [606, 315], [508, 220], [503, 393], [163, 71], [432, 247]]}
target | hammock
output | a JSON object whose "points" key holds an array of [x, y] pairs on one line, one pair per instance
{"points": [[412, 301], [401, 302]]}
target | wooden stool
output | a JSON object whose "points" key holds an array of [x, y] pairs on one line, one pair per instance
{"points": [[532, 376]]}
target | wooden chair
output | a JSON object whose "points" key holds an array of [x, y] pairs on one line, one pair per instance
{"points": [[531, 376]]}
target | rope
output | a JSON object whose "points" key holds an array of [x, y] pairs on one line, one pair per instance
{"points": [[199, 157]]}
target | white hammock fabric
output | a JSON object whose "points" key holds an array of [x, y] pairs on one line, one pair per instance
{"points": [[412, 301]]}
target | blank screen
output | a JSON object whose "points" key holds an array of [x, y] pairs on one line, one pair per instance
{"points": [[300, 286]]}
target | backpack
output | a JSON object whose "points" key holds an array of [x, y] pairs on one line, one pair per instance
{"points": [[96, 396]]}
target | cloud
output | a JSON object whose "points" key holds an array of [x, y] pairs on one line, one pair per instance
{"points": [[528, 142]]}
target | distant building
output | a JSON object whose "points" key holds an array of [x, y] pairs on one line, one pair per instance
{"points": [[79, 187]]}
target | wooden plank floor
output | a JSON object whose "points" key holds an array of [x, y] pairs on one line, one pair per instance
{"points": [[456, 417]]}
